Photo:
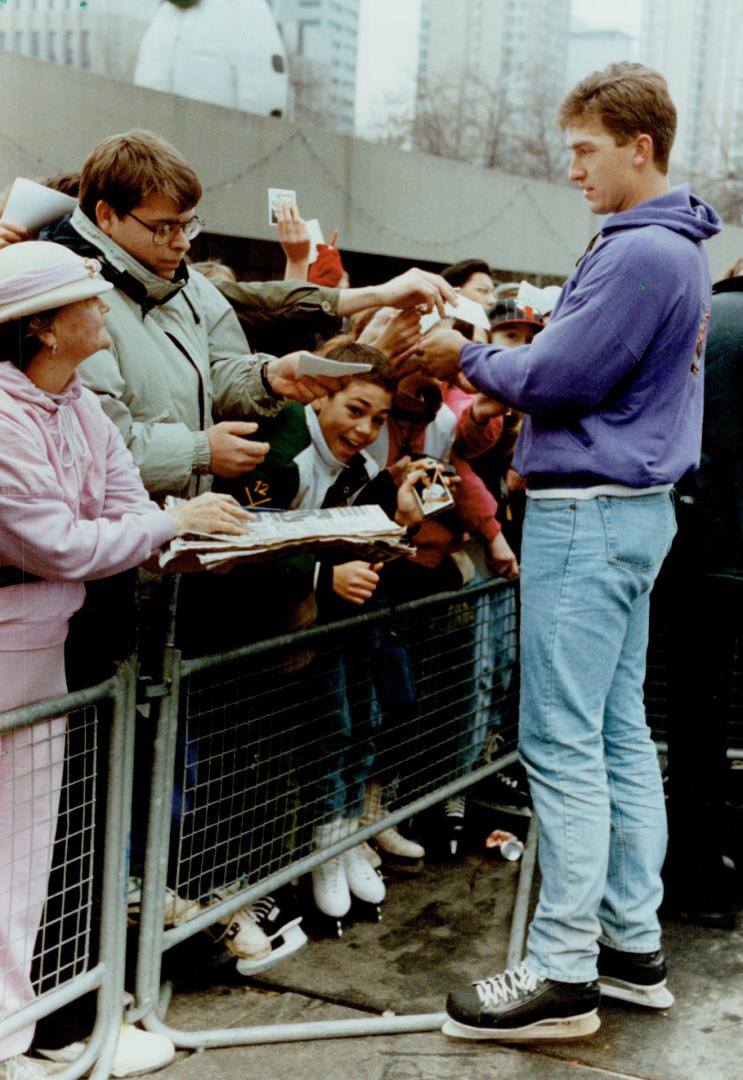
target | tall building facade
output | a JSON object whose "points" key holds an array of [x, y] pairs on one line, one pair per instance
{"points": [[698, 46], [591, 50], [321, 39], [517, 47], [102, 37]]}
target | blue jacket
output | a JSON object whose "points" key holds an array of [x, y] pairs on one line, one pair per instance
{"points": [[612, 386]]}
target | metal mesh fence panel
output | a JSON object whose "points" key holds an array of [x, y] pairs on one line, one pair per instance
{"points": [[63, 943], [276, 744], [46, 888]]}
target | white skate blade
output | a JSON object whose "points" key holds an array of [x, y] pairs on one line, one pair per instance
{"points": [[652, 997], [294, 939], [576, 1027]]}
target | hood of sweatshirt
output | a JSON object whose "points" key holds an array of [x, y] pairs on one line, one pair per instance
{"points": [[20, 387], [677, 210]]}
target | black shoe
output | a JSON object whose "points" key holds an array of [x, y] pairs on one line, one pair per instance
{"points": [[510, 790], [636, 977], [518, 1005]]}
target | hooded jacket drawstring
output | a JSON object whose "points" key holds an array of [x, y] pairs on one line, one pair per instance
{"points": [[72, 446]]}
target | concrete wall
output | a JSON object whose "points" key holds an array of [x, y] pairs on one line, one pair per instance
{"points": [[383, 201]]}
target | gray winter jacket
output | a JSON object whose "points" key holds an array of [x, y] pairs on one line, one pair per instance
{"points": [[178, 363]]}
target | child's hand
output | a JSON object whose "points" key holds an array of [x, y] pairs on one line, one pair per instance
{"points": [[484, 408], [394, 333], [501, 558], [515, 481], [356, 581], [399, 470], [409, 510], [294, 238]]}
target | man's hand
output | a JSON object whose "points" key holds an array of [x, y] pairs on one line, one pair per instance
{"points": [[231, 453], [281, 372], [294, 238], [438, 354], [414, 288], [356, 581], [11, 234], [396, 335], [419, 288], [211, 513], [501, 559]]}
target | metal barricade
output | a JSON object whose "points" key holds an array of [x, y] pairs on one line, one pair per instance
{"points": [[257, 747], [56, 769]]}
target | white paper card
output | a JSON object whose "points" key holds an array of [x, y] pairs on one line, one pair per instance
{"points": [[309, 364], [32, 205], [467, 310], [316, 236], [530, 296], [277, 196], [543, 300]]}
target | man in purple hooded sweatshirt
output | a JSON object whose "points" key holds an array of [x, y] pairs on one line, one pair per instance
{"points": [[612, 392]]}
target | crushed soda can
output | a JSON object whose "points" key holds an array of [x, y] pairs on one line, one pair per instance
{"points": [[509, 846]]}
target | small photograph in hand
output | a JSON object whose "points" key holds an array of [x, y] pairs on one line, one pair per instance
{"points": [[277, 196], [431, 490]]}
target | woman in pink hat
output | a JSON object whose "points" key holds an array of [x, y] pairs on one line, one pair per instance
{"points": [[72, 508]]}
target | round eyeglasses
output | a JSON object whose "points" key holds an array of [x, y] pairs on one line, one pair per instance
{"points": [[163, 234]]}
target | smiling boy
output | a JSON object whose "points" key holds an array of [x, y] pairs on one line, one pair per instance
{"points": [[613, 403], [318, 453]]}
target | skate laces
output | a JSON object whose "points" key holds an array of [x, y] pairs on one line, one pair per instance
{"points": [[507, 986], [263, 908], [455, 807]]}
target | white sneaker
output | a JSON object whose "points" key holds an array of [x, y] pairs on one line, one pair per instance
{"points": [[137, 1051], [21, 1067]]}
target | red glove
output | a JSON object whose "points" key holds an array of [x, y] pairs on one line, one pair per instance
{"points": [[327, 269]]}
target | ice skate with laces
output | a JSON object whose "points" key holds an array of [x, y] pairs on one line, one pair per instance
{"points": [[519, 1006]]}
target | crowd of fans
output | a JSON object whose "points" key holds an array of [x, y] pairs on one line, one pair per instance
{"points": [[168, 358]]}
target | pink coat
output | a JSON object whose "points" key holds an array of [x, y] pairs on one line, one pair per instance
{"points": [[72, 506]]}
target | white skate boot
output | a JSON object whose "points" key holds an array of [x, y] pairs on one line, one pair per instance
{"points": [[396, 850], [364, 882], [329, 883]]}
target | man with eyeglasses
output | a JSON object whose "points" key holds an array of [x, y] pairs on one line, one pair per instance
{"points": [[179, 380]]}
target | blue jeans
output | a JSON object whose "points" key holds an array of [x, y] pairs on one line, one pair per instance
{"points": [[587, 570]]}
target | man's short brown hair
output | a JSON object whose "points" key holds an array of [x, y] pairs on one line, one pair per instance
{"points": [[629, 99], [124, 170]]}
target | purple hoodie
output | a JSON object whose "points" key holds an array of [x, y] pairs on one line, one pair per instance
{"points": [[612, 386], [72, 506]]}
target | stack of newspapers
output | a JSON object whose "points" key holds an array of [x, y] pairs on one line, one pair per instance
{"points": [[357, 532]]}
